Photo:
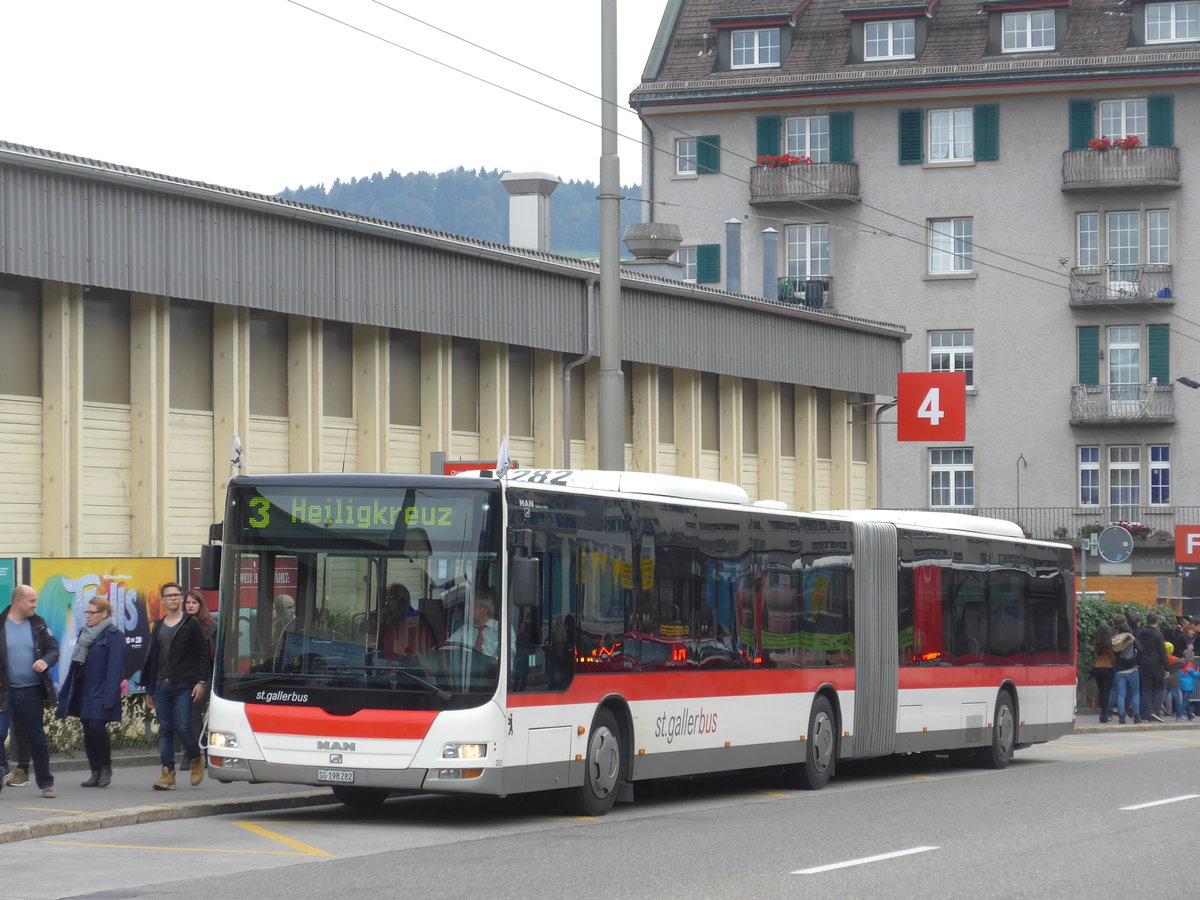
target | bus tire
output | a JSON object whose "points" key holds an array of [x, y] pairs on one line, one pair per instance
{"points": [[999, 752], [604, 764], [360, 797], [820, 750]]}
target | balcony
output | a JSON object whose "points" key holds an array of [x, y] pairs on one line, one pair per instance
{"points": [[1100, 286], [1126, 404], [804, 183], [812, 292], [1085, 170]]}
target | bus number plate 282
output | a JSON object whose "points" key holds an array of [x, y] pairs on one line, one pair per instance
{"points": [[340, 776]]}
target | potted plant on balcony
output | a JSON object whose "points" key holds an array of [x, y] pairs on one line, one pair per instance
{"points": [[787, 159], [1104, 143]]}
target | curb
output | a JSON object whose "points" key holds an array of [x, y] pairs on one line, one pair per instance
{"points": [[137, 815]]}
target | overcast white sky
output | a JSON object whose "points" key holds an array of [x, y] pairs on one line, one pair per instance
{"points": [[264, 94]]}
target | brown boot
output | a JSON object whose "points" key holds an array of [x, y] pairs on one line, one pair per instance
{"points": [[197, 767], [167, 782]]}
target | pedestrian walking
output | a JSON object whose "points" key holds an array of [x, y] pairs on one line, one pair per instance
{"points": [[1152, 666], [19, 776], [1125, 681], [91, 691], [28, 650], [1102, 669], [194, 605], [177, 672]]}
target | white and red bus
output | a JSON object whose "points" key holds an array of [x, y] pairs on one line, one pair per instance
{"points": [[634, 626]]}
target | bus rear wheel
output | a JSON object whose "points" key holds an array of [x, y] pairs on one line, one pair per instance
{"points": [[603, 767], [360, 797], [820, 750], [1004, 735]]}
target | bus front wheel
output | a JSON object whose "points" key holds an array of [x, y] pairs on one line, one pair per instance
{"points": [[1004, 735], [820, 750], [604, 763]]}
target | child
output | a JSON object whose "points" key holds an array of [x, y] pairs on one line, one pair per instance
{"points": [[1172, 683], [1187, 682]]}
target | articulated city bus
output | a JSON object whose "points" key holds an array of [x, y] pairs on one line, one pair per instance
{"points": [[582, 631]]}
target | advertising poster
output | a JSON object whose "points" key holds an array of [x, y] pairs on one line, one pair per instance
{"points": [[8, 580], [131, 586]]}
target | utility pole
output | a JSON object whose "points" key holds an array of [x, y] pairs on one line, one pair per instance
{"points": [[611, 397]]}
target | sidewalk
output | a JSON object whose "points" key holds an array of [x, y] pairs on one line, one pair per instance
{"points": [[1087, 721], [131, 800]]}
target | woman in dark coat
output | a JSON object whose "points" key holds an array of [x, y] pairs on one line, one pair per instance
{"points": [[92, 689]]}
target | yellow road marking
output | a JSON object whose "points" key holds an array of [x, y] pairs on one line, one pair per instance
{"points": [[299, 848], [765, 793], [1174, 740], [1071, 749], [74, 812]]}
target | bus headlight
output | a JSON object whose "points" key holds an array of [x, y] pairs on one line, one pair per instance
{"points": [[464, 751], [222, 740]]}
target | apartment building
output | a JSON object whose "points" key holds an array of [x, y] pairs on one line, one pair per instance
{"points": [[1005, 178]]}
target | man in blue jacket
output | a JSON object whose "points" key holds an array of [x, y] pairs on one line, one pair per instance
{"points": [[27, 651]]}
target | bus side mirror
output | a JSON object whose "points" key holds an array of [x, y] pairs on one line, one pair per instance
{"points": [[526, 581], [210, 567]]}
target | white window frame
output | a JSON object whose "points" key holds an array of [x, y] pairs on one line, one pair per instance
{"points": [[808, 136], [1159, 464], [1026, 32], [759, 52], [951, 246], [953, 351], [685, 156], [951, 135], [686, 257], [1121, 118], [1124, 482], [895, 39], [1110, 246], [807, 251], [1089, 475], [1173, 28], [952, 477]]}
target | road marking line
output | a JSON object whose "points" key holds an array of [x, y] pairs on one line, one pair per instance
{"points": [[765, 793], [181, 849], [1161, 802], [305, 849], [73, 812], [866, 859]]}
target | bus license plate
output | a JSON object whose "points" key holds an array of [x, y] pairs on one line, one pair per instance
{"points": [[338, 776]]}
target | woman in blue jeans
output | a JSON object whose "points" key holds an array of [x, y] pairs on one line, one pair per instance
{"points": [[177, 672], [1126, 680]]}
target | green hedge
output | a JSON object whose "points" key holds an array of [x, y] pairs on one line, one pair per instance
{"points": [[1092, 612]]}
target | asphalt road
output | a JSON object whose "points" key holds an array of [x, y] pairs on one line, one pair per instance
{"points": [[1059, 818]]}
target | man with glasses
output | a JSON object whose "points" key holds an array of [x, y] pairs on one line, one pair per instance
{"points": [[176, 673], [27, 651]]}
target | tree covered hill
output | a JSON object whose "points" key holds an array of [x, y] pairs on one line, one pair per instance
{"points": [[471, 203]]}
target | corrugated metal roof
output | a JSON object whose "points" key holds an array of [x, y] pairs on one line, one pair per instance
{"points": [[76, 220]]}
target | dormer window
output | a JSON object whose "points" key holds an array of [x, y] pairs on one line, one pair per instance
{"points": [[1172, 22], [890, 40], [754, 48], [1028, 31]]}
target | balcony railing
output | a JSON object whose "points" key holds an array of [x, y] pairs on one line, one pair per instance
{"points": [[1122, 404], [1135, 167], [804, 182], [1093, 286], [814, 292], [1071, 523]]}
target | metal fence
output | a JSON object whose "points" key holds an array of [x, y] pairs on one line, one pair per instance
{"points": [[1071, 523]]}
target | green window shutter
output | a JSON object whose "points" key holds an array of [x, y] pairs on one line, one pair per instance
{"points": [[1082, 123], [912, 147], [1160, 112], [1089, 354], [1158, 340], [987, 132], [708, 264], [708, 154], [841, 137], [768, 135]]}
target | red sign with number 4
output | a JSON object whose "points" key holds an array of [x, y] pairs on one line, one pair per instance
{"points": [[931, 406]]}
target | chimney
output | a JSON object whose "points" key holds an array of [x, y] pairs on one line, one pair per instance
{"points": [[652, 244], [733, 256], [529, 209]]}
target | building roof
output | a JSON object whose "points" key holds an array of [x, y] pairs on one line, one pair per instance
{"points": [[1096, 42]]}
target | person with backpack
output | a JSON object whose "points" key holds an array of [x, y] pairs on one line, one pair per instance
{"points": [[1125, 678], [1102, 670]]}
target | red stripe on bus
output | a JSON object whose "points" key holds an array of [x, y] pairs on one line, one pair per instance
{"points": [[393, 724], [984, 676], [676, 685]]}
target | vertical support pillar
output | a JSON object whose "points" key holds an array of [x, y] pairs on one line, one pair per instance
{"points": [[62, 417], [688, 439], [305, 394], [591, 416], [435, 397], [150, 416], [806, 447], [841, 472], [770, 263], [493, 398], [645, 418], [768, 441], [547, 410], [231, 396], [731, 429], [371, 400]]}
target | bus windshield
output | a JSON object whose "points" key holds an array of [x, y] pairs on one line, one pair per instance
{"points": [[367, 595]]}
